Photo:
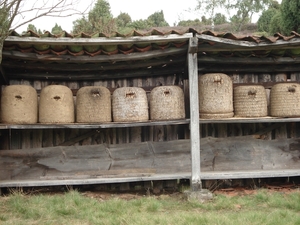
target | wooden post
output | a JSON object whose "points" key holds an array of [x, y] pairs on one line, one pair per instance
{"points": [[194, 114]]}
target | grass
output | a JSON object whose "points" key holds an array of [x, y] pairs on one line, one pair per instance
{"points": [[75, 208]]}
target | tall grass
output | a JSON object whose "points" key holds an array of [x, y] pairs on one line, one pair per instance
{"points": [[75, 208]]}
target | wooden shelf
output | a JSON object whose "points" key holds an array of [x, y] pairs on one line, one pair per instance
{"points": [[251, 120], [211, 175], [146, 123], [93, 125]]}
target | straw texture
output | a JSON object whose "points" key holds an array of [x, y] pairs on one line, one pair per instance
{"points": [[167, 103], [19, 105]]}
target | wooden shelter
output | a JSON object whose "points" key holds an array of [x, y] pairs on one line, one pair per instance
{"points": [[94, 153]]}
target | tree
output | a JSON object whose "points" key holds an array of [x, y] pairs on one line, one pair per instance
{"points": [[264, 20], [14, 11], [99, 19], [210, 6], [157, 19], [290, 16], [32, 27], [123, 20], [275, 23], [245, 10], [187, 23], [219, 18], [56, 29]]}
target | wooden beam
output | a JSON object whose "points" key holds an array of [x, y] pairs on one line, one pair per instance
{"points": [[96, 75], [196, 184], [225, 44], [193, 45], [241, 68], [98, 40], [64, 66], [93, 125], [95, 59], [248, 61]]}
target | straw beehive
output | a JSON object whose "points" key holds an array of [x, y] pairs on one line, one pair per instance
{"points": [[215, 96], [130, 104], [93, 104], [56, 105], [167, 103], [19, 105], [285, 100], [250, 101]]}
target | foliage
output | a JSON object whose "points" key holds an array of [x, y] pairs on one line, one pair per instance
{"points": [[188, 23], [32, 27], [139, 24], [56, 29], [99, 19], [219, 18], [290, 16], [245, 10], [264, 20], [157, 19], [275, 23], [123, 20], [210, 6]]}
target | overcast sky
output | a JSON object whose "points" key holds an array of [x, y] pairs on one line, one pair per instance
{"points": [[174, 11]]}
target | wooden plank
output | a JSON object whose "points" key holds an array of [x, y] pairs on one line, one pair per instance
{"points": [[239, 45], [221, 157], [97, 58], [98, 40], [63, 66], [267, 61], [150, 123], [241, 68], [194, 115]]}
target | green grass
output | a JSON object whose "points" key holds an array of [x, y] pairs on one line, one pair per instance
{"points": [[76, 208]]}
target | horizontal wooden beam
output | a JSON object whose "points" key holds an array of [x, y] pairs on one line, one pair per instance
{"points": [[93, 125], [226, 44], [240, 68], [97, 40], [95, 59], [249, 60], [51, 66], [95, 75]]}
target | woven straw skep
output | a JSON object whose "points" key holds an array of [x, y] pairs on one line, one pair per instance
{"points": [[215, 96], [56, 105], [19, 105], [130, 104], [250, 101], [167, 103], [93, 104], [285, 100]]}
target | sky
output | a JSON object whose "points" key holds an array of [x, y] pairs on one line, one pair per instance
{"points": [[174, 11]]}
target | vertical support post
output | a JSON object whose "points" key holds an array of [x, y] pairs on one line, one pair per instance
{"points": [[196, 184]]}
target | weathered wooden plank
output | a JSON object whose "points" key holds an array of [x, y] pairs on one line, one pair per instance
{"points": [[231, 155], [194, 115], [98, 40], [223, 44], [268, 61], [96, 58]]}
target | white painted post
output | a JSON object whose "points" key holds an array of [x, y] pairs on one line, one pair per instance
{"points": [[196, 184]]}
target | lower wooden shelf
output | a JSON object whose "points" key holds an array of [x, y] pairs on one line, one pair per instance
{"points": [[221, 158]]}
